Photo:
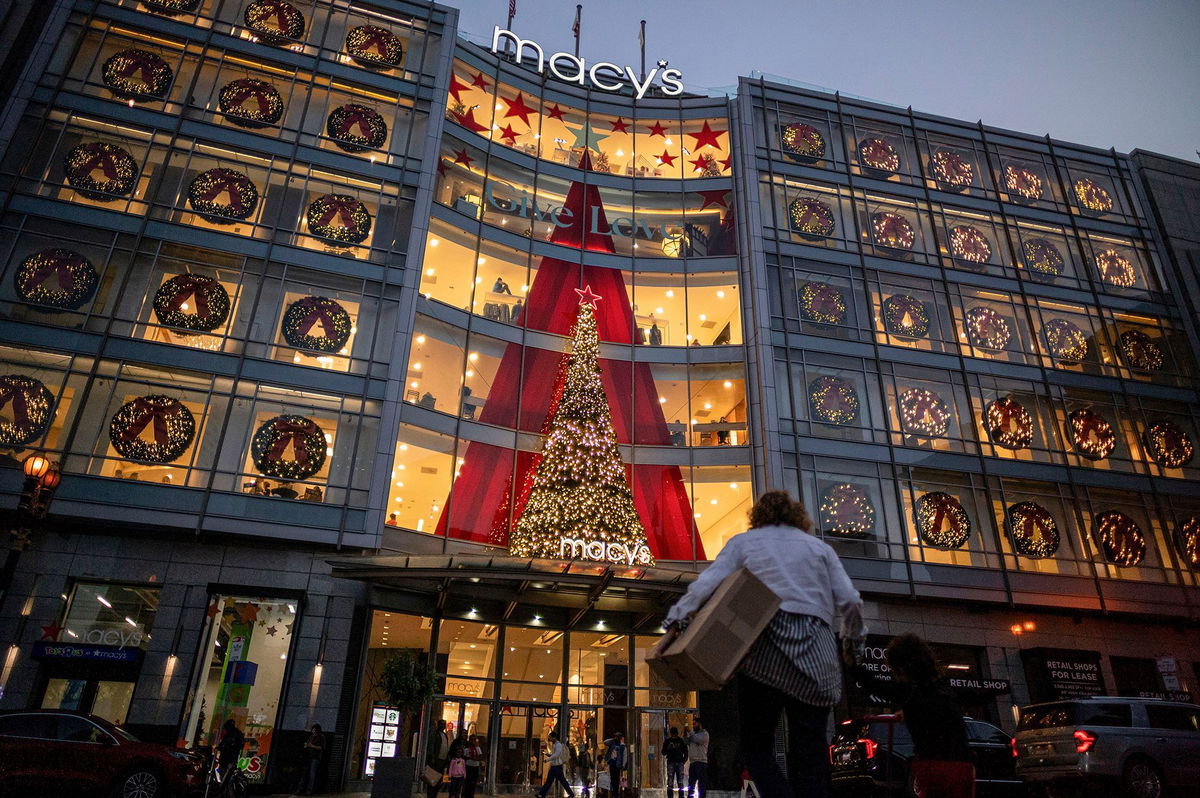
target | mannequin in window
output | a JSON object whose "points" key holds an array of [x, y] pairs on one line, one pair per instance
{"points": [[428, 401], [677, 436], [722, 434], [500, 287], [656, 338]]}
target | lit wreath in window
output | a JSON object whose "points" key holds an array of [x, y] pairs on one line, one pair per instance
{"points": [[878, 156], [1115, 269], [1033, 530], [833, 400], [822, 303], [101, 172], [1140, 351], [1091, 434], [303, 315], [58, 278], [803, 142], [192, 302], [1043, 259], [1065, 341], [969, 246], [274, 21], [846, 511], [1187, 541], [373, 46], [923, 413], [356, 128], [1022, 183], [905, 316], [987, 329], [250, 103], [339, 218], [892, 231], [31, 406], [171, 7], [952, 170], [1169, 444], [152, 429], [289, 447], [223, 196], [1093, 198], [942, 521], [1119, 537], [811, 218], [1008, 423], [137, 73]]}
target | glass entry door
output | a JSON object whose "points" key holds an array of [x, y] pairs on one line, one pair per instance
{"points": [[520, 760], [653, 727]]}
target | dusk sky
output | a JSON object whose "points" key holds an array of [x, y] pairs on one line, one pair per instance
{"points": [[1107, 73]]}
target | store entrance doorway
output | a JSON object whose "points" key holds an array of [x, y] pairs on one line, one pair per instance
{"points": [[519, 760]]}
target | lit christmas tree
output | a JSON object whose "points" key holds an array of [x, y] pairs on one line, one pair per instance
{"points": [[579, 504]]}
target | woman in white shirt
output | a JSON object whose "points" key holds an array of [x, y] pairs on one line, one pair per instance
{"points": [[794, 666]]}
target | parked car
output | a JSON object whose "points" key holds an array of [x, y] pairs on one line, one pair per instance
{"points": [[1146, 745], [863, 763], [58, 753]]}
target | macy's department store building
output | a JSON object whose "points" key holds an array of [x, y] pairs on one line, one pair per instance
{"points": [[300, 342]]}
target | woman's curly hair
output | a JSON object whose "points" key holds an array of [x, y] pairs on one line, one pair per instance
{"points": [[911, 656], [778, 508]]}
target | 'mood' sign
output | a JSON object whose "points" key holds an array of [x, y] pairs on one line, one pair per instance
{"points": [[602, 74]]}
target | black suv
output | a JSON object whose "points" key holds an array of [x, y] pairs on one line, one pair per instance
{"points": [[863, 763]]}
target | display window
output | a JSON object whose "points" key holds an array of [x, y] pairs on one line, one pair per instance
{"points": [[956, 166], [973, 242], [721, 497], [51, 396], [240, 672], [827, 304], [1099, 431], [195, 306], [895, 230], [1040, 530], [1125, 539], [992, 326], [911, 314], [838, 400], [1067, 335], [881, 152], [422, 472], [853, 507], [812, 214], [1025, 177], [1015, 420], [1047, 255], [1118, 265], [804, 138], [928, 414], [948, 520], [94, 163]]}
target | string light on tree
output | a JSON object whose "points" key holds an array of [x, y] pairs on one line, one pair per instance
{"points": [[31, 406], [579, 503], [905, 316], [1115, 269], [878, 157], [137, 73], [833, 400], [1009, 424], [1140, 351], [223, 196], [942, 521], [1033, 530], [101, 172], [1187, 541], [1091, 434], [304, 316], [1093, 198], [1022, 182], [1169, 444], [249, 102], [1119, 537], [892, 231], [803, 142], [59, 278], [969, 246], [1043, 259], [193, 302], [987, 329], [373, 46], [822, 303], [811, 218], [1065, 341], [289, 447], [924, 413], [847, 511], [152, 429], [952, 170]]}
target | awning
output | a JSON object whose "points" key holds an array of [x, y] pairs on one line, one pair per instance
{"points": [[560, 594]]}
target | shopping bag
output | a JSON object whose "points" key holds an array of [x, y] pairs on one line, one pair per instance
{"points": [[432, 776]]}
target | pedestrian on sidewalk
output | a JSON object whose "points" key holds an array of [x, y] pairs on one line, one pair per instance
{"points": [[439, 755], [457, 770], [675, 751], [617, 759], [794, 666], [558, 758], [585, 765], [314, 749], [697, 753], [473, 754], [942, 763]]}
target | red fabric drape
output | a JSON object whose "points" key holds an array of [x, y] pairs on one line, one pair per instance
{"points": [[490, 489]]}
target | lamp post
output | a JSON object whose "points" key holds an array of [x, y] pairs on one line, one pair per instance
{"points": [[42, 476]]}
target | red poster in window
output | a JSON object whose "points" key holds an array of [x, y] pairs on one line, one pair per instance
{"points": [[490, 490]]}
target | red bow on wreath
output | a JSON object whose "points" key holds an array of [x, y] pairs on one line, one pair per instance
{"points": [[145, 64], [946, 510], [148, 412], [1092, 428], [221, 181], [316, 310], [191, 286], [245, 89], [375, 38], [341, 207], [19, 396], [293, 432], [835, 400], [102, 159], [825, 300], [57, 267], [356, 116], [277, 11]]}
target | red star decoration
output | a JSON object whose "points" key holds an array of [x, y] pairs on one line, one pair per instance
{"points": [[479, 81], [714, 197], [707, 136], [52, 631], [727, 164], [248, 612], [620, 126], [456, 86], [658, 130], [700, 162], [508, 134], [213, 610], [667, 159], [460, 156], [556, 113], [467, 120], [517, 107], [587, 295]]}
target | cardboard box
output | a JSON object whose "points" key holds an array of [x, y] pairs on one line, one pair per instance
{"points": [[709, 651]]}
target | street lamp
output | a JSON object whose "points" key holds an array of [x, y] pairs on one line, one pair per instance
{"points": [[42, 476]]}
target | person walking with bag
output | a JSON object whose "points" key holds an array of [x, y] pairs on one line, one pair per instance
{"points": [[942, 763], [617, 759], [556, 761], [794, 666]]}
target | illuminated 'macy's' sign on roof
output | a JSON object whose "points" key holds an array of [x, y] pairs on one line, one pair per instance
{"points": [[602, 74]]}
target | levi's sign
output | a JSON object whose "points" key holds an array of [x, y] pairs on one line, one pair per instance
{"points": [[602, 74]]}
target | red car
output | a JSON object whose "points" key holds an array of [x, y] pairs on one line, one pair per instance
{"points": [[57, 753]]}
